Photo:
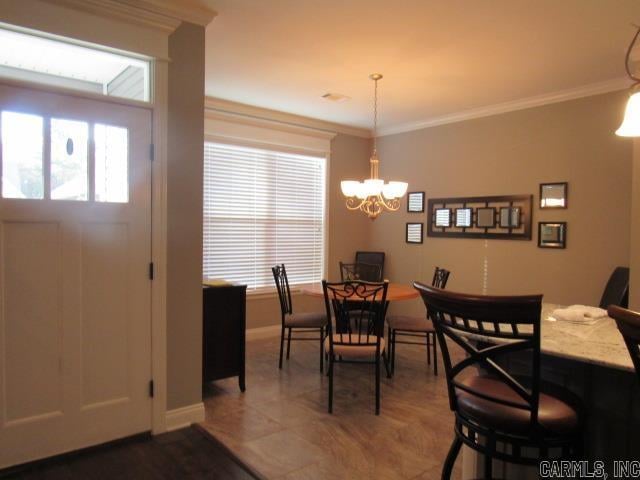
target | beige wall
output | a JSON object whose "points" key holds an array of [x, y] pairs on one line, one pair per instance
{"points": [[634, 259], [512, 154], [348, 231], [184, 216]]}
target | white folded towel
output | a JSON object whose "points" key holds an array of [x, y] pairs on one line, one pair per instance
{"points": [[582, 314], [590, 312]]}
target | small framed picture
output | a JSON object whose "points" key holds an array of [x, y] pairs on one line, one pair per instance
{"points": [[414, 233], [553, 195], [464, 217], [486, 217], [552, 234], [415, 202], [509, 217], [443, 217]]}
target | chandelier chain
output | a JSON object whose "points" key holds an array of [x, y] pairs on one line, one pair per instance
{"points": [[375, 117]]}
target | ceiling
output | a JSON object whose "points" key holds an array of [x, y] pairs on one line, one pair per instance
{"points": [[438, 57]]}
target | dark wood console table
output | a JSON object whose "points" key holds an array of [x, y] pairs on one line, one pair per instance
{"points": [[223, 332]]}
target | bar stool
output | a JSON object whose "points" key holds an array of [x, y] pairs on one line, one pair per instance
{"points": [[497, 414], [412, 326], [628, 323]]}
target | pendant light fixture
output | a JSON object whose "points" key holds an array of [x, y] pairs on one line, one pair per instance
{"points": [[631, 123], [373, 196]]}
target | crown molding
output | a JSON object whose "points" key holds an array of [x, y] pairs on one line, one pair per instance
{"points": [[275, 117], [162, 15], [240, 119], [521, 104]]}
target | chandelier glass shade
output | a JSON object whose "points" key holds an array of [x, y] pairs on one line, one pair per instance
{"points": [[372, 196], [630, 126]]}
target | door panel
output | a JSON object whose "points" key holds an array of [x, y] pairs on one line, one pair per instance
{"points": [[33, 350], [105, 310], [75, 321]]}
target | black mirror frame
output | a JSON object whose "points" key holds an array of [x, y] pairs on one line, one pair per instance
{"points": [[560, 244], [409, 194], [565, 186]]}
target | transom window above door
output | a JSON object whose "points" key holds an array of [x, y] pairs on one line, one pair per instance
{"points": [[63, 159]]}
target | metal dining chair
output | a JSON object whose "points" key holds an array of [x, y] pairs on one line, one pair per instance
{"points": [[372, 258], [312, 322], [616, 292], [360, 271], [357, 335], [628, 323], [416, 327]]}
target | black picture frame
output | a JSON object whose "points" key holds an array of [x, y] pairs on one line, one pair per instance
{"points": [[414, 198], [549, 239], [414, 232], [523, 233], [544, 199]]}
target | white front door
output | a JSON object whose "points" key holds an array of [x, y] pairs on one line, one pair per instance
{"points": [[75, 230]]}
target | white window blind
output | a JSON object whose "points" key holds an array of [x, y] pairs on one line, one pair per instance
{"points": [[262, 208]]}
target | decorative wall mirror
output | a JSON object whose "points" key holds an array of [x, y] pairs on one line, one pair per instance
{"points": [[552, 234], [506, 217], [443, 217], [486, 217], [464, 217], [553, 195], [414, 233], [510, 217], [415, 202]]}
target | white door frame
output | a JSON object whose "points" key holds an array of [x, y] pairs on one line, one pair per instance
{"points": [[136, 19], [159, 89], [159, 108]]}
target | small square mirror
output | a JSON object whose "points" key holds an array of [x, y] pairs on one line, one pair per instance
{"points": [[553, 195], [463, 217], [443, 217], [552, 234], [414, 233], [415, 202], [509, 217], [486, 217]]}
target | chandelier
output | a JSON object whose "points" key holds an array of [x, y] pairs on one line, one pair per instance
{"points": [[631, 123], [373, 196]]}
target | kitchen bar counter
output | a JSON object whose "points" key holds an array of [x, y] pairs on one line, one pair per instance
{"points": [[597, 344]]}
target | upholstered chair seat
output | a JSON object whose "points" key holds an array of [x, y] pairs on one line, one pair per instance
{"points": [[554, 415], [408, 323], [307, 319], [352, 350]]}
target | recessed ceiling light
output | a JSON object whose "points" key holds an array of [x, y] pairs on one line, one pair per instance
{"points": [[335, 97]]}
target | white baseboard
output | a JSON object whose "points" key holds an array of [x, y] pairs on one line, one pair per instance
{"points": [[263, 332], [184, 416]]}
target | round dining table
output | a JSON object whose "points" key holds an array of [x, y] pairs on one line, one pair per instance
{"points": [[395, 291]]}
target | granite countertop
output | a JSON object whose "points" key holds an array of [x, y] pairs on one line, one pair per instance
{"points": [[599, 344]]}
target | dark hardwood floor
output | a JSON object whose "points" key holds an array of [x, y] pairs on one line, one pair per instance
{"points": [[183, 454]]}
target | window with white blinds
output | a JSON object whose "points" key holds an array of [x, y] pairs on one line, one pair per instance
{"points": [[262, 208]]}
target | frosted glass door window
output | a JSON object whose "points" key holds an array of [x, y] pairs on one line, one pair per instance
{"points": [[112, 163], [22, 140], [69, 147]]}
